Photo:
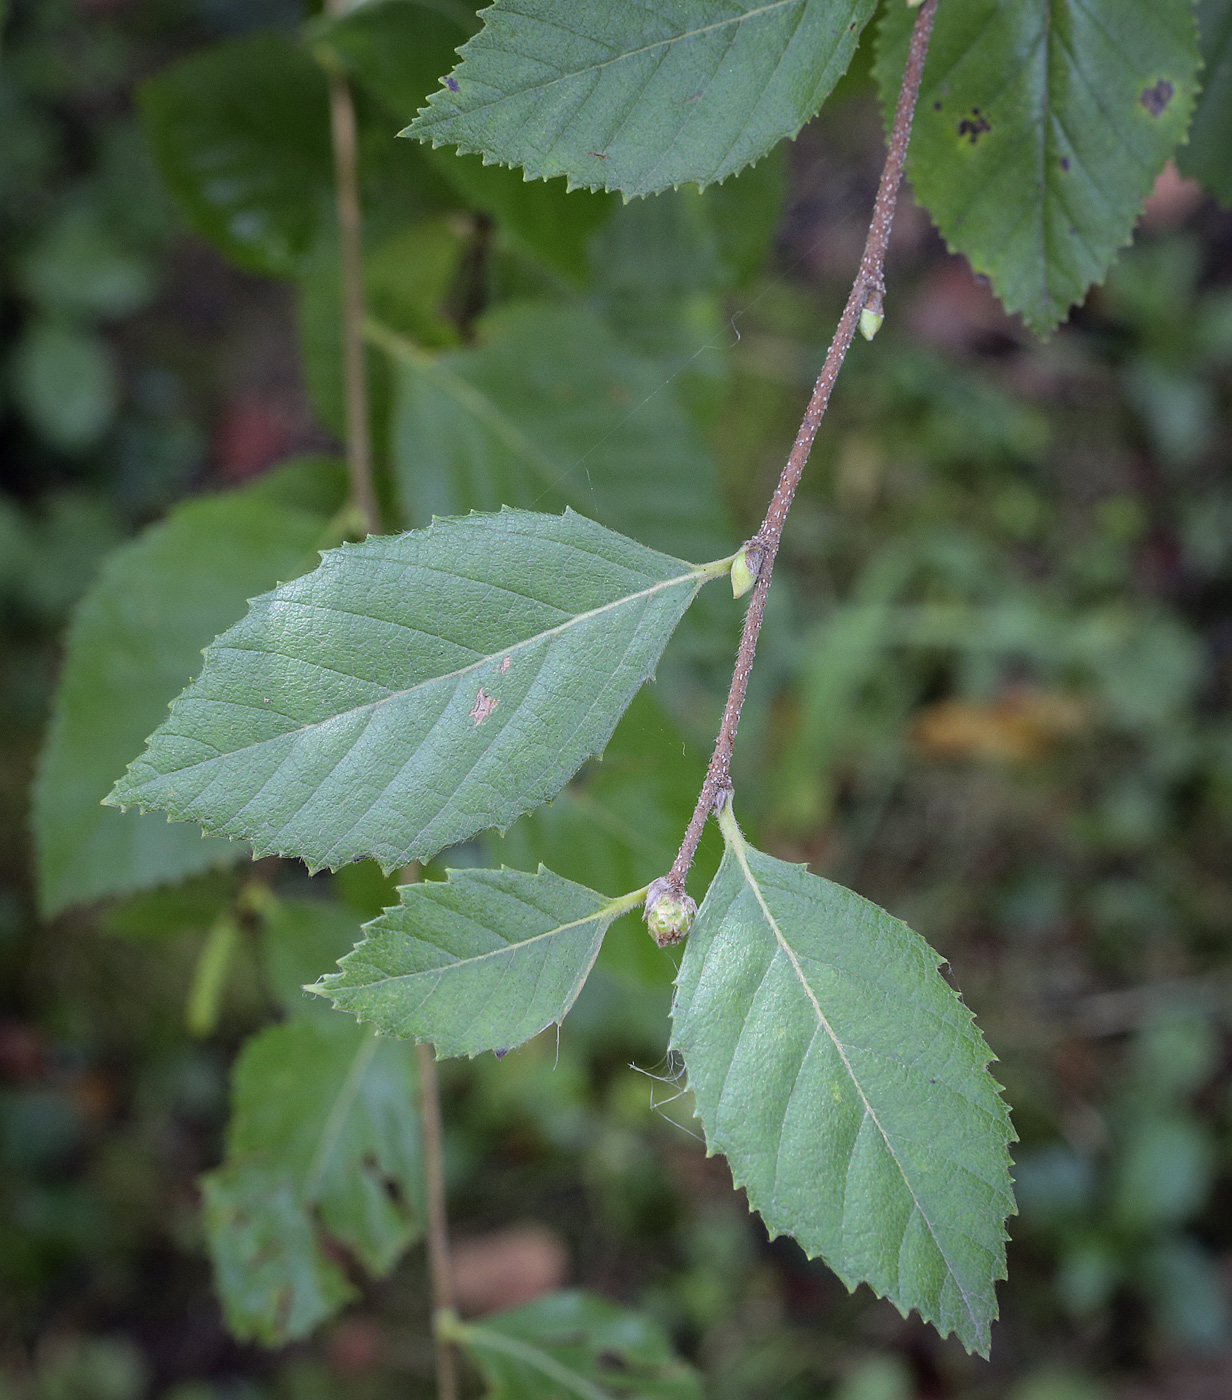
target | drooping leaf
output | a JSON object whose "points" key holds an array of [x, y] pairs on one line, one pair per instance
{"points": [[324, 1127], [848, 1086], [1207, 155], [481, 961], [416, 689], [135, 640], [641, 98], [1040, 129], [553, 411], [241, 135], [574, 1346]]}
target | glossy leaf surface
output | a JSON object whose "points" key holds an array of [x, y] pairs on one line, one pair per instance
{"points": [[848, 1087], [134, 642], [416, 689], [324, 1123], [641, 98], [553, 411], [241, 136], [1040, 129], [482, 961], [574, 1346]]}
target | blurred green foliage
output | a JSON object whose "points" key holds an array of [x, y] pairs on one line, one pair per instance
{"points": [[995, 695]]}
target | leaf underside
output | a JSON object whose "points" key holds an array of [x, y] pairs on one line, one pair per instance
{"points": [[641, 98], [324, 1124], [135, 641], [571, 1344], [848, 1087], [482, 961], [1040, 129], [415, 689]]}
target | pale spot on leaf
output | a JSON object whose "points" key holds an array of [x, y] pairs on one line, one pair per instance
{"points": [[483, 707]]}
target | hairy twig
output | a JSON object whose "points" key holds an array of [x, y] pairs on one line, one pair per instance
{"points": [[867, 293]]}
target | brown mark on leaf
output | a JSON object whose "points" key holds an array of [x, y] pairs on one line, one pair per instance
{"points": [[974, 126], [1155, 99], [483, 707], [505, 664]]}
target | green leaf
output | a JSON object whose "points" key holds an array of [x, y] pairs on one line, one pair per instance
{"points": [[240, 133], [324, 1124], [134, 641], [574, 1346], [1207, 155], [1040, 129], [416, 689], [552, 411], [848, 1087], [481, 961], [641, 98]]}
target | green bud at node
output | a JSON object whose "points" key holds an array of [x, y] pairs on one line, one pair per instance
{"points": [[668, 915], [870, 323], [744, 570]]}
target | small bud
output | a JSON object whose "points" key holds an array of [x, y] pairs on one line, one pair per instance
{"points": [[870, 323], [668, 915], [911, 5], [744, 570]]}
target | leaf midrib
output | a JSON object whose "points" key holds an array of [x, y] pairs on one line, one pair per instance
{"points": [[698, 574], [459, 964], [739, 850], [576, 73]]}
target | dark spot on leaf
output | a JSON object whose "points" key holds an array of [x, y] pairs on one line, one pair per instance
{"points": [[452, 84], [1155, 99], [612, 1361], [1065, 163], [974, 126], [936, 106]]}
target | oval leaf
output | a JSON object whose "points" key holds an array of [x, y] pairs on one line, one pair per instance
{"points": [[482, 961], [416, 689], [640, 98], [848, 1087], [1040, 129]]}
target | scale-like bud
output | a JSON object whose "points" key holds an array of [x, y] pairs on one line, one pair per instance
{"points": [[744, 570], [870, 323], [669, 915]]}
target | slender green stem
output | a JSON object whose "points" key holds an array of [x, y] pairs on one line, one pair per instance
{"points": [[350, 251]]}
